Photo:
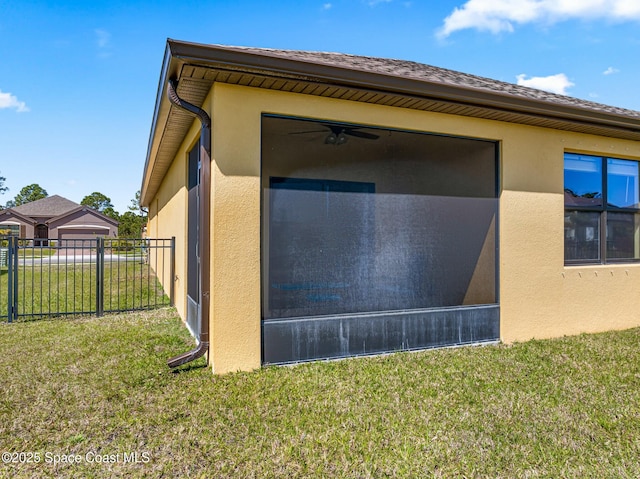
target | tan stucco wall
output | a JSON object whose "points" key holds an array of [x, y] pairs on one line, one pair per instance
{"points": [[168, 218], [539, 296]]}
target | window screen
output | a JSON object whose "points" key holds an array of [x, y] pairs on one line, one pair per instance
{"points": [[365, 220]]}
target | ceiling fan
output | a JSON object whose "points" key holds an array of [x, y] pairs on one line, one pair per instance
{"points": [[338, 133]]}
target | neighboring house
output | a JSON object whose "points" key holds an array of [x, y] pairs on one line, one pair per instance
{"points": [[56, 218], [339, 205]]}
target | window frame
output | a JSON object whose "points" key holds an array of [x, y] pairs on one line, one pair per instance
{"points": [[603, 210]]}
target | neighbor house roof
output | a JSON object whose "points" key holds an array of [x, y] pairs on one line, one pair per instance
{"points": [[398, 83], [55, 208], [89, 210], [46, 207], [6, 215]]}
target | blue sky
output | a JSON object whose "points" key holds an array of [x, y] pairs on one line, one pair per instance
{"points": [[78, 79]]}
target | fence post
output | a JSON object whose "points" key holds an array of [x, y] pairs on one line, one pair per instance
{"points": [[100, 277], [173, 271], [9, 278], [12, 279]]}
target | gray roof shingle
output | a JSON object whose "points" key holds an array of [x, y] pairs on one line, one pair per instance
{"points": [[389, 82], [50, 206], [432, 74]]}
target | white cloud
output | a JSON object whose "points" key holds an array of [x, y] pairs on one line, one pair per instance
{"points": [[327, 6], [553, 83], [103, 41], [7, 100], [102, 37], [610, 71], [497, 16], [373, 3]]}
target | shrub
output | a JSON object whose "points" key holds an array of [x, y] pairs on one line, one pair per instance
{"points": [[122, 245]]}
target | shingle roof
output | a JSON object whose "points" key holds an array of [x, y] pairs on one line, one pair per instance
{"points": [[381, 81], [11, 213], [89, 210], [429, 73], [50, 206]]}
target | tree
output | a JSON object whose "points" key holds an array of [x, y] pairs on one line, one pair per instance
{"points": [[136, 206], [4, 188], [133, 221], [97, 201], [130, 225], [111, 213], [30, 193]]}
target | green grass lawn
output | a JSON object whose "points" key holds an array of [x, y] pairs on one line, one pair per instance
{"points": [[36, 252], [70, 288], [100, 386]]}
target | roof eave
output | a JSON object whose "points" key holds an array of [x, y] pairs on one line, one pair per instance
{"points": [[13, 212], [266, 63], [160, 117], [215, 56], [90, 210]]}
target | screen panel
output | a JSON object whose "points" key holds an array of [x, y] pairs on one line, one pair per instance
{"points": [[374, 221]]}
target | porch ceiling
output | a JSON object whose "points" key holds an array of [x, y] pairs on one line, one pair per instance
{"points": [[370, 80]]}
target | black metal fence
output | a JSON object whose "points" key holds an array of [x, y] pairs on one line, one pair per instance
{"points": [[83, 276]]}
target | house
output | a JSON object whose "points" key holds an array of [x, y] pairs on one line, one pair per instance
{"points": [[56, 218], [328, 205]]}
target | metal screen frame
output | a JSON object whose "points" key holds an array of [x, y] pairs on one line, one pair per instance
{"points": [[298, 339]]}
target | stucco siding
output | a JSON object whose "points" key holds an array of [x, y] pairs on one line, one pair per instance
{"points": [[167, 218], [539, 296]]}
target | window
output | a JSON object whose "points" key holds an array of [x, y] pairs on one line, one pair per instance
{"points": [[7, 230], [601, 198]]}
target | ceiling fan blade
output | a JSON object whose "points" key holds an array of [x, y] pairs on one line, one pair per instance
{"points": [[305, 132], [361, 134], [338, 130]]}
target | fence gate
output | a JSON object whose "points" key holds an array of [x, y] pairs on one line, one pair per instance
{"points": [[84, 276]]}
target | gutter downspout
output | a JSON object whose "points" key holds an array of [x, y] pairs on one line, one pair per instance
{"points": [[203, 229]]}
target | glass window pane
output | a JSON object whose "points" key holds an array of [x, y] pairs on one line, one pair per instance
{"points": [[581, 236], [622, 236], [622, 183], [582, 180]]}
